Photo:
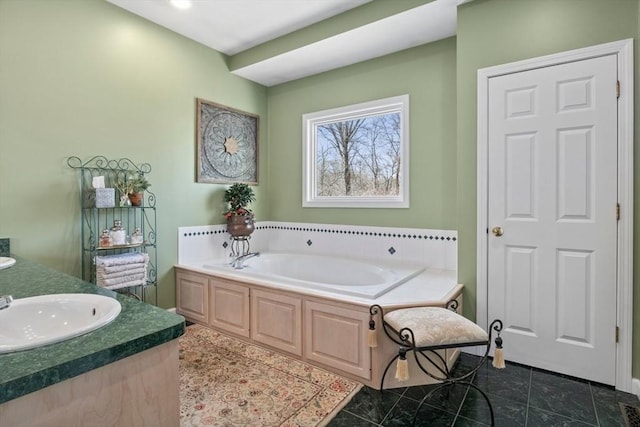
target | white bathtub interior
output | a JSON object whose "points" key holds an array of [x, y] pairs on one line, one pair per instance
{"points": [[359, 278]]}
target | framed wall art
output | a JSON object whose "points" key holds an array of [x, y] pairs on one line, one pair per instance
{"points": [[227, 144]]}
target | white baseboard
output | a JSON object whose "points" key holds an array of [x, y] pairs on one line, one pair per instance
{"points": [[172, 310], [635, 387]]}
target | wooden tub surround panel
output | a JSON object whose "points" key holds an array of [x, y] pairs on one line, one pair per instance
{"points": [[277, 320], [337, 337], [327, 332], [229, 306], [192, 296]]}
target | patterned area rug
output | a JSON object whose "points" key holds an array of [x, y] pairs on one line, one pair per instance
{"points": [[226, 382], [631, 414]]}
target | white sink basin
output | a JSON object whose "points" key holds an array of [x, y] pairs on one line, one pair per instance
{"points": [[6, 262], [46, 319]]}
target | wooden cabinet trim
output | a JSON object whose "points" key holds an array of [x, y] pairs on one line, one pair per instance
{"points": [[188, 303], [233, 312]]}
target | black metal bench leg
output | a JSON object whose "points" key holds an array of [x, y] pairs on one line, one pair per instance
{"points": [[427, 397], [493, 423], [384, 374], [448, 384]]}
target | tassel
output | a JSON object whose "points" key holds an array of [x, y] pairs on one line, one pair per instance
{"points": [[498, 356], [373, 336], [402, 367]]}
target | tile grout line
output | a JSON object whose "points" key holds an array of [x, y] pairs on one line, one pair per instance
{"points": [[526, 412], [362, 418], [392, 407], [571, 418], [466, 393], [593, 402]]}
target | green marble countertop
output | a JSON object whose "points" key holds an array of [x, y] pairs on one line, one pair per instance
{"points": [[139, 327]]}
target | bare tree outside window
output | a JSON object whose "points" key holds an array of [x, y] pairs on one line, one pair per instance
{"points": [[356, 156], [359, 157]]}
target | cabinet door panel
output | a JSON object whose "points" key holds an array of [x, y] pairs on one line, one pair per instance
{"points": [[336, 337], [192, 294], [229, 307], [277, 320]]}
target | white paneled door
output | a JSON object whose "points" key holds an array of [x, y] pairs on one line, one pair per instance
{"points": [[552, 196]]}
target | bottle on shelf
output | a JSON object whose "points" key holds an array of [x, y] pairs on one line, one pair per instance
{"points": [[136, 237], [118, 234], [105, 239]]}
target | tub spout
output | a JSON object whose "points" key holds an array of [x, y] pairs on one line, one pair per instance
{"points": [[5, 301], [238, 262]]}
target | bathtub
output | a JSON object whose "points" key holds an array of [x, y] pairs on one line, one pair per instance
{"points": [[341, 275]]}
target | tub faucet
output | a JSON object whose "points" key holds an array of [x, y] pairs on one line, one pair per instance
{"points": [[238, 262], [5, 301]]}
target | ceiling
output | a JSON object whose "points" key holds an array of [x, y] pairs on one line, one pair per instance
{"points": [[233, 26]]}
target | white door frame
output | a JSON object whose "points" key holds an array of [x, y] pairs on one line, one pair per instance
{"points": [[624, 51]]}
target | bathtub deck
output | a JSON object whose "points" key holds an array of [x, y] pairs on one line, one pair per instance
{"points": [[431, 287]]}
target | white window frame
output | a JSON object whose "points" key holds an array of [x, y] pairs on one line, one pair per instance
{"points": [[310, 123]]}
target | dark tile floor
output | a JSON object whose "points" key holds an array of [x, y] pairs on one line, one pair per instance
{"points": [[521, 396]]}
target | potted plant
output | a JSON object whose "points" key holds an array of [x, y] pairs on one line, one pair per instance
{"points": [[131, 188], [138, 184], [239, 216]]}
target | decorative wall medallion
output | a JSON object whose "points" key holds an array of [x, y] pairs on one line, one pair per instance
{"points": [[227, 144]]}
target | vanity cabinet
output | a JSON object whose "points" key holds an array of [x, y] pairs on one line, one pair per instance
{"points": [[277, 320], [128, 392], [192, 296], [229, 306]]}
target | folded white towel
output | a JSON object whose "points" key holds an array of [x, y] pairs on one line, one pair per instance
{"points": [[124, 273], [126, 284], [120, 280], [122, 259], [104, 269]]}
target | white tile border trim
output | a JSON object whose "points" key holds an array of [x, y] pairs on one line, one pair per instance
{"points": [[430, 247]]}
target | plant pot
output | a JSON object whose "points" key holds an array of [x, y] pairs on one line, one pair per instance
{"points": [[135, 198], [240, 225]]}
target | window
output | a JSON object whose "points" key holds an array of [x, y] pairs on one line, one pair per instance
{"points": [[357, 156]]}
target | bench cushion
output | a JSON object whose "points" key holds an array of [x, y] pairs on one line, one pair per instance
{"points": [[436, 326]]}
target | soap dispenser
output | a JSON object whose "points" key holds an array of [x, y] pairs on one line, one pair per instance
{"points": [[117, 233], [136, 237]]}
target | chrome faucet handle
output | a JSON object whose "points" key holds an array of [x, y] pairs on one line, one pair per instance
{"points": [[5, 300], [238, 263]]}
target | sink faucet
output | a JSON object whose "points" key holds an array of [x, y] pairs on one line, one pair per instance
{"points": [[238, 262], [5, 301]]}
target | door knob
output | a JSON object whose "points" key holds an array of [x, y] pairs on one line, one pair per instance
{"points": [[497, 231]]}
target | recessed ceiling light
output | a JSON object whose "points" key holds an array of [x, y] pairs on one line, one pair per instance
{"points": [[181, 4]]}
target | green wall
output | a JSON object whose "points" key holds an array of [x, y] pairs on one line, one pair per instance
{"points": [[427, 74], [84, 77], [492, 32]]}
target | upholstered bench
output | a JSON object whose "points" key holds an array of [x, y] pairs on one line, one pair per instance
{"points": [[424, 331]]}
